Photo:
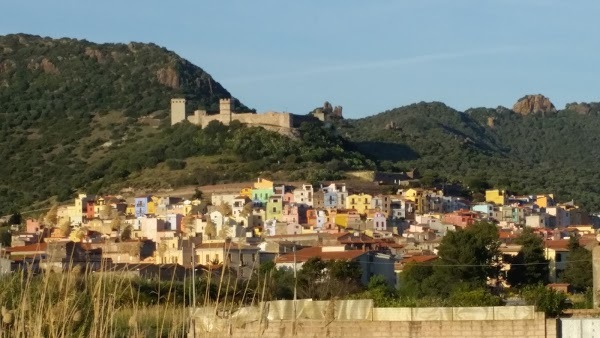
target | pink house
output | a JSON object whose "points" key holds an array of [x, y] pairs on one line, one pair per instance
{"points": [[288, 197], [377, 221], [32, 226], [293, 213]]}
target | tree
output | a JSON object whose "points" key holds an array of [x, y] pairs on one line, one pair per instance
{"points": [[547, 300], [188, 224], [225, 209], [210, 230], [197, 194], [125, 232], [15, 219], [115, 223], [578, 270], [225, 231], [248, 208], [530, 266], [51, 217], [474, 252], [5, 236], [65, 227]]}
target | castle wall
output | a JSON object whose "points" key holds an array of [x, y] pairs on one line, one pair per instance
{"points": [[271, 121]]}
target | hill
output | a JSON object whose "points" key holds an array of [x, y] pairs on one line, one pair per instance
{"points": [[76, 115], [533, 153]]}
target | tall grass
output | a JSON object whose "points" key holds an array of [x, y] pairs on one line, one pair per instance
{"points": [[82, 303]]}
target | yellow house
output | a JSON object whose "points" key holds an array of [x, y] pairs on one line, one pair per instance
{"points": [[361, 203], [246, 192], [417, 196], [544, 201], [262, 183], [130, 211], [496, 196]]}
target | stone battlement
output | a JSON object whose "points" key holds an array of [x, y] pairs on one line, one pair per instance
{"points": [[279, 122]]}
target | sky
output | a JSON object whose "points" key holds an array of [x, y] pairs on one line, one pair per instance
{"points": [[367, 56]]}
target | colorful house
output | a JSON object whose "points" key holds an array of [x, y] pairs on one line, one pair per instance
{"points": [[496, 196], [349, 218], [376, 220], [145, 206], [275, 207], [545, 201], [304, 195], [359, 202]]}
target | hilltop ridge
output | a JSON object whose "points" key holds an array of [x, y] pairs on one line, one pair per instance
{"points": [[78, 115]]}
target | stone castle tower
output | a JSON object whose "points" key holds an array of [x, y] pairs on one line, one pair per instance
{"points": [[177, 111], [225, 106]]}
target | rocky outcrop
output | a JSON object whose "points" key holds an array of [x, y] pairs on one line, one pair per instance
{"points": [[534, 104], [94, 54], [168, 77], [580, 108], [45, 65]]}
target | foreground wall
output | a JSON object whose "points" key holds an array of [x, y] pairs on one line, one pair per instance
{"points": [[537, 328], [358, 318]]}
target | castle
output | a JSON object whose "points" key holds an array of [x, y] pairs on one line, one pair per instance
{"points": [[279, 122]]}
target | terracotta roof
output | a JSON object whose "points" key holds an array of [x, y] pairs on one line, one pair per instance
{"points": [[419, 259], [28, 248], [557, 244], [507, 235], [320, 234], [316, 251]]}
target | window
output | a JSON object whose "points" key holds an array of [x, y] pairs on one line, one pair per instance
{"points": [[274, 209], [217, 257], [558, 257], [207, 258], [254, 257]]}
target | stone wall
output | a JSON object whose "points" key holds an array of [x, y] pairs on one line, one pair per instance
{"points": [[278, 122]]}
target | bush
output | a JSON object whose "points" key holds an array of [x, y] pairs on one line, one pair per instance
{"points": [[550, 301], [174, 164]]}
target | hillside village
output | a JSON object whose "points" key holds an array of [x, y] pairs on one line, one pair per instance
{"points": [[287, 225]]}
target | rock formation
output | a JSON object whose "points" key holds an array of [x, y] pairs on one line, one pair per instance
{"points": [[534, 104], [580, 108]]}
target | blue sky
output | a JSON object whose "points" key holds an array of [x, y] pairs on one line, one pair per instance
{"points": [[367, 56]]}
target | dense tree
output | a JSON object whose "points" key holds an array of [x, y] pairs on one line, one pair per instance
{"points": [[578, 270], [324, 280], [530, 266], [15, 219], [472, 253]]}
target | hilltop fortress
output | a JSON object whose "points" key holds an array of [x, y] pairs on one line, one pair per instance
{"points": [[283, 123], [279, 122]]}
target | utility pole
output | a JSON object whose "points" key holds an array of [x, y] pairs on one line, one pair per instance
{"points": [[193, 289], [295, 281], [295, 273]]}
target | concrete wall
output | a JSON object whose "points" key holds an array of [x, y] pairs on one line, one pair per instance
{"points": [[536, 328], [358, 318]]}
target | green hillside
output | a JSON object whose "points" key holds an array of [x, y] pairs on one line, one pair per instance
{"points": [[75, 115], [66, 105], [525, 154]]}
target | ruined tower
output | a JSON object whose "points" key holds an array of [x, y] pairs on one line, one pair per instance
{"points": [[177, 111]]}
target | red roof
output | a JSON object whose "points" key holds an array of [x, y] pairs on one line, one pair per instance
{"points": [[557, 244], [419, 259], [316, 251], [41, 247]]}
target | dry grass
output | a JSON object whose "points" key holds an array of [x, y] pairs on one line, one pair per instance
{"points": [[107, 304], [75, 304]]}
